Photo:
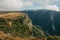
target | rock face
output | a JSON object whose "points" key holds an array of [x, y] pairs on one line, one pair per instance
{"points": [[16, 24], [9, 17]]}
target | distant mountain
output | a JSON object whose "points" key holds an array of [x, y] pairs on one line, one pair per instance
{"points": [[48, 20]]}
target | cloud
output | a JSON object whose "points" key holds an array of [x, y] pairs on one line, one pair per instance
{"points": [[13, 5], [10, 4], [44, 2], [50, 7]]}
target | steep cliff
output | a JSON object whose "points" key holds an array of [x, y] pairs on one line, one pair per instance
{"points": [[15, 24]]}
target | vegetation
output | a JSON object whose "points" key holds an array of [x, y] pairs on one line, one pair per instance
{"points": [[21, 28]]}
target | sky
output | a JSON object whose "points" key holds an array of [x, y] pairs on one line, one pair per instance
{"points": [[18, 5]]}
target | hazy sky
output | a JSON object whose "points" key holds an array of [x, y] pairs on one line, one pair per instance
{"points": [[15, 5]]}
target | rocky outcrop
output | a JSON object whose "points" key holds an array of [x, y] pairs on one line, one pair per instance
{"points": [[15, 24]]}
